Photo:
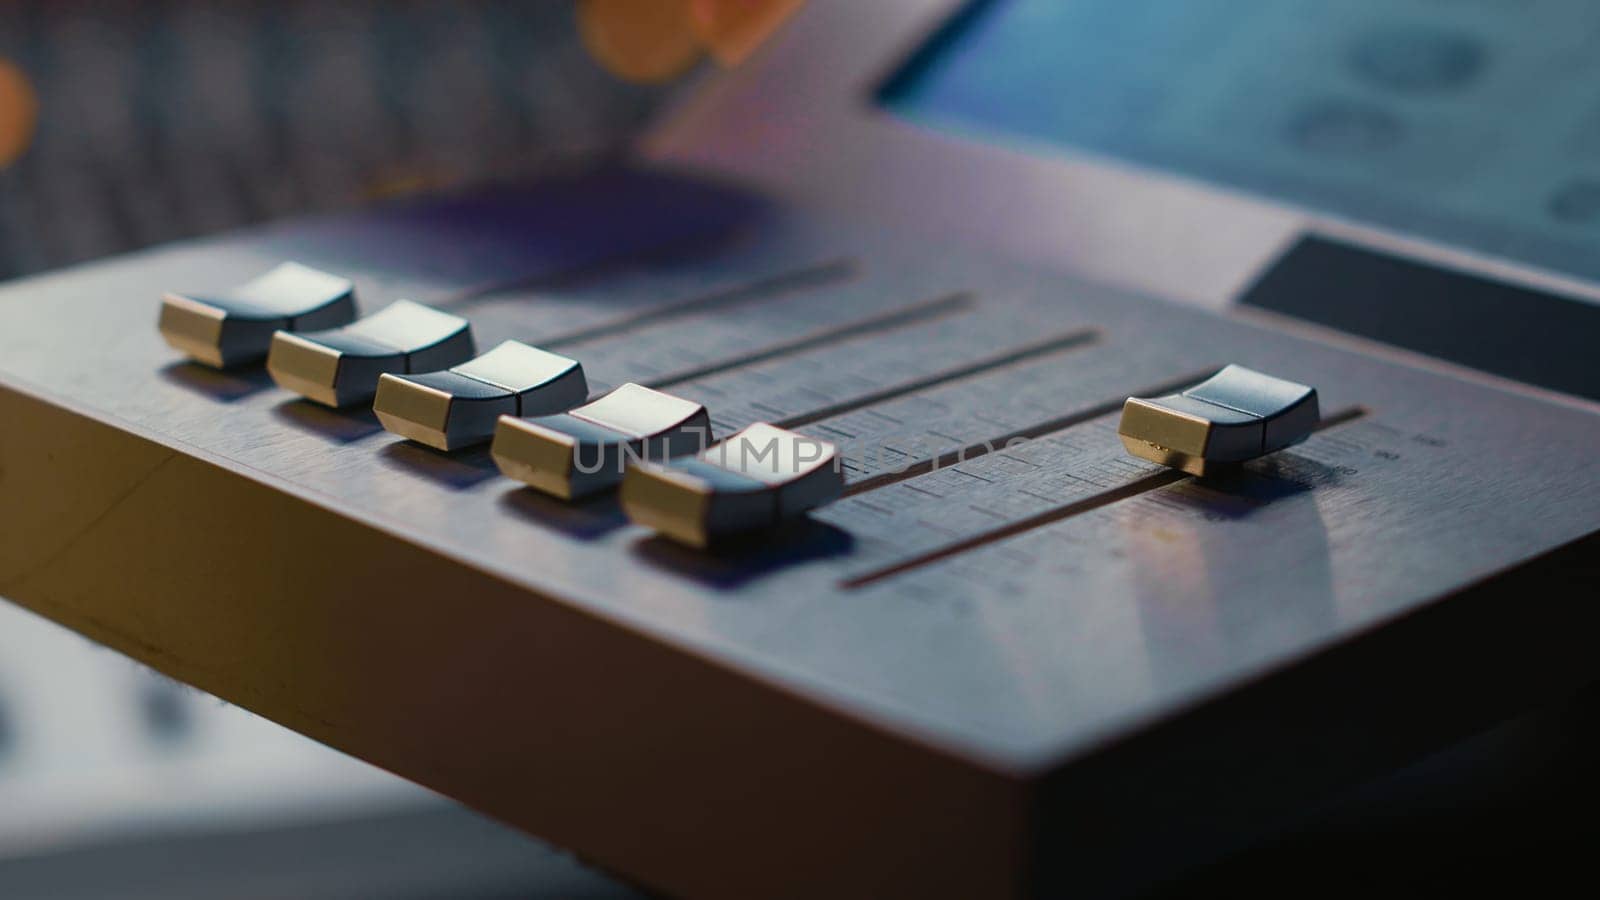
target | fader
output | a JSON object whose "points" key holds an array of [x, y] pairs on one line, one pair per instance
{"points": [[1235, 415], [749, 483], [235, 327], [584, 451], [341, 367], [458, 407]]}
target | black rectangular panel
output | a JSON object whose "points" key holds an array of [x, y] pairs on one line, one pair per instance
{"points": [[1518, 332]]}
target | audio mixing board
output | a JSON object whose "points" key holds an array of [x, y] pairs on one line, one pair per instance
{"points": [[968, 449], [1011, 655]]}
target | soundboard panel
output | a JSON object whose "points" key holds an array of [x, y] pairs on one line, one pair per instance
{"points": [[1008, 657]]}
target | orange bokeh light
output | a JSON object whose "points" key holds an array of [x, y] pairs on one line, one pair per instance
{"points": [[651, 41], [645, 41], [19, 113]]}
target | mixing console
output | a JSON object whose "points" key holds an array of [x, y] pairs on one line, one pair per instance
{"points": [[1003, 609]]}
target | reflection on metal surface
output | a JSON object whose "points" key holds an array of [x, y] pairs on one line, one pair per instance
{"points": [[1185, 575], [1130, 488], [1095, 501]]}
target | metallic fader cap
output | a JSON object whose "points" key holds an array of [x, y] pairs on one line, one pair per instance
{"points": [[236, 326], [751, 482], [341, 366], [1235, 415], [458, 407], [585, 451]]}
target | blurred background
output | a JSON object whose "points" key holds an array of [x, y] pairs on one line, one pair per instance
{"points": [[116, 782], [163, 120]]}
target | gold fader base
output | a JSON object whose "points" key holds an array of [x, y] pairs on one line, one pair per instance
{"points": [[195, 328], [673, 504], [539, 457], [1234, 416], [1166, 456], [307, 368]]}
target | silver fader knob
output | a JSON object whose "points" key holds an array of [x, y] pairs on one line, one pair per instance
{"points": [[341, 366], [1235, 415], [458, 407], [749, 483], [586, 450], [235, 327]]}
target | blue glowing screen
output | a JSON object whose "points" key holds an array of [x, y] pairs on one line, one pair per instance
{"points": [[1473, 122]]}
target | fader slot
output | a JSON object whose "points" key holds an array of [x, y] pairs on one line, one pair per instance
{"points": [[955, 510], [814, 359], [671, 349], [836, 379], [873, 325], [1047, 347], [1005, 411], [1307, 503], [835, 361], [953, 502], [563, 316], [760, 289], [459, 408]]}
